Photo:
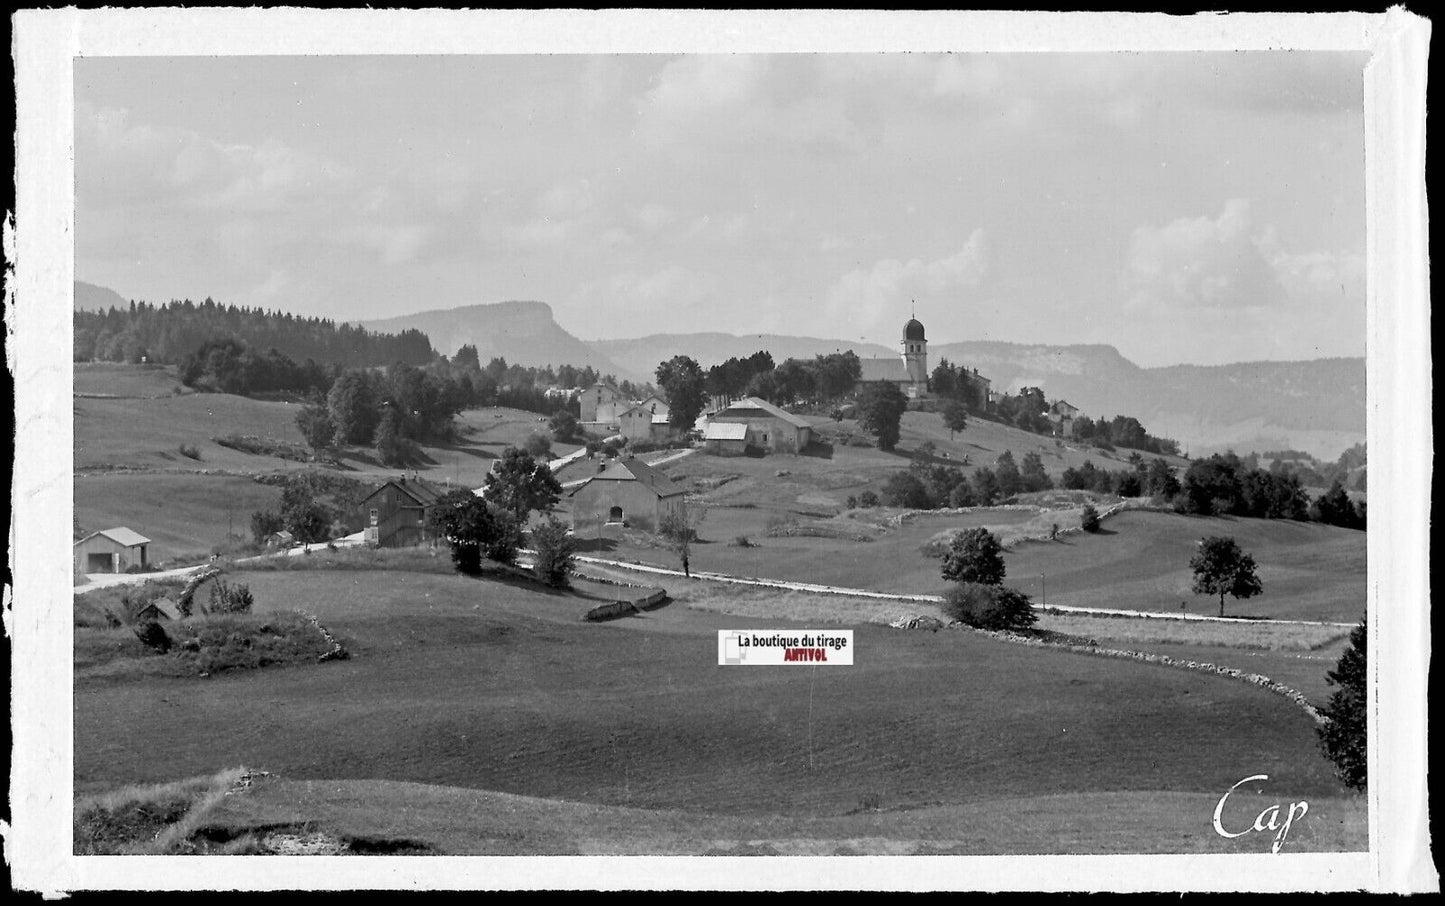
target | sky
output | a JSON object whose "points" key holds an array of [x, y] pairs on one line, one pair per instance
{"points": [[1183, 207]]}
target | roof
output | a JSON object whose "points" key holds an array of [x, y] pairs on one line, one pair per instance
{"points": [[726, 431], [635, 470], [889, 369], [122, 536], [913, 330], [753, 406], [166, 607], [418, 489]]}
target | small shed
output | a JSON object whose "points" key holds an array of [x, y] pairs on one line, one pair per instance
{"points": [[111, 551], [726, 438], [157, 610]]}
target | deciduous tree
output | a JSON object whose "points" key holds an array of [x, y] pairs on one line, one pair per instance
{"points": [[1221, 568]]}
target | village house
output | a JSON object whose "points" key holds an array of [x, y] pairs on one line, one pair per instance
{"points": [[111, 551], [767, 427], [602, 404], [1063, 416], [625, 491], [396, 513]]}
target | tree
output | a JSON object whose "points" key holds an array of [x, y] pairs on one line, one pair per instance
{"points": [[307, 519], [679, 530], [519, 484], [316, 426], [474, 528], [906, 490], [1221, 568], [683, 381], [1343, 735], [555, 548], [390, 445], [353, 403], [880, 410], [564, 426], [995, 607], [955, 416], [974, 555], [1334, 507], [1010, 481], [1033, 475]]}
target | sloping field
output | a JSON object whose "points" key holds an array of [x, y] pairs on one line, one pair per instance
{"points": [[1141, 562], [486, 686], [181, 513]]}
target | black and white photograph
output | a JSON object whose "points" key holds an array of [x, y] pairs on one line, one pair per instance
{"points": [[796, 456]]}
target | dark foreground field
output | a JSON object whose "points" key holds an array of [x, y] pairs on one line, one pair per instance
{"points": [[482, 692]]}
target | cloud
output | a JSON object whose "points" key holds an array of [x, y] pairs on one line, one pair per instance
{"points": [[871, 298], [738, 101], [1200, 262], [125, 164]]}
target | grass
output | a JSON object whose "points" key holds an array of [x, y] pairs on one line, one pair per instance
{"points": [[495, 687], [462, 821], [1138, 562], [155, 819], [204, 645]]}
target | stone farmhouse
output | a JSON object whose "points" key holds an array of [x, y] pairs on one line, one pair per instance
{"points": [[757, 423], [625, 491]]}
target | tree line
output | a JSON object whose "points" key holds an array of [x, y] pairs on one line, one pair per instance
{"points": [[1219, 485], [171, 332]]}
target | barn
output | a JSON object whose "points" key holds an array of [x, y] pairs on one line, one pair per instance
{"points": [[111, 551], [396, 513], [625, 491], [768, 427]]}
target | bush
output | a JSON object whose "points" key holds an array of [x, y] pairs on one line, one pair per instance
{"points": [[1089, 519], [538, 446], [230, 599], [555, 549], [995, 607]]}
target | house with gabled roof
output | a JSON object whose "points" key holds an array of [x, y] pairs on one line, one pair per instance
{"points": [[112, 550], [626, 491], [396, 514]]}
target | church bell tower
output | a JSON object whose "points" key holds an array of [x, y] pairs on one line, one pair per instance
{"points": [[915, 354]]}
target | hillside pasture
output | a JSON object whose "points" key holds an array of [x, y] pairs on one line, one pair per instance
{"points": [[183, 514], [499, 688], [1140, 561]]}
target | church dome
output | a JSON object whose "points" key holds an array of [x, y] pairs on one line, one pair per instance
{"points": [[913, 330]]}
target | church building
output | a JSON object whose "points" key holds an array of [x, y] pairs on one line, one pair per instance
{"points": [[909, 371]]}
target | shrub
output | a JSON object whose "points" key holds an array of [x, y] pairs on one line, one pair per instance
{"points": [[974, 556], [189, 451], [1343, 736], [995, 607], [555, 549], [1089, 519], [538, 446], [230, 598]]}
